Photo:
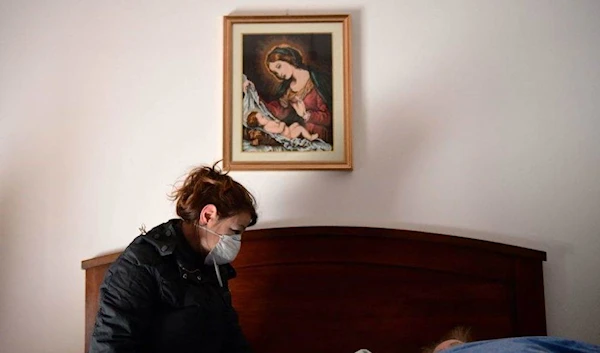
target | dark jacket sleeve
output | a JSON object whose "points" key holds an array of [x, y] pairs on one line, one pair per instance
{"points": [[126, 299], [235, 340]]}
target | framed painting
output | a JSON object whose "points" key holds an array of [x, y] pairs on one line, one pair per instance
{"points": [[287, 93]]}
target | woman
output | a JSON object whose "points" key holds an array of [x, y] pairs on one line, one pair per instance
{"points": [[304, 95], [168, 291]]}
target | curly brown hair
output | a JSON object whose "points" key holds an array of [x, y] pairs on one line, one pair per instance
{"points": [[252, 120], [206, 185]]}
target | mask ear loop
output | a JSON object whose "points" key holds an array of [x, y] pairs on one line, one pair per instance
{"points": [[214, 261], [218, 272]]}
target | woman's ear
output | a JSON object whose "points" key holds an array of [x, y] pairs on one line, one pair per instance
{"points": [[208, 213]]}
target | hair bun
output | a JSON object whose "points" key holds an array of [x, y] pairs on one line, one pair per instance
{"points": [[208, 185]]}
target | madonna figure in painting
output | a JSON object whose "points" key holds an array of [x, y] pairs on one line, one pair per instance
{"points": [[303, 95]]}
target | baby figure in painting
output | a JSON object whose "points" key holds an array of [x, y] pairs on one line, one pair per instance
{"points": [[256, 119]]}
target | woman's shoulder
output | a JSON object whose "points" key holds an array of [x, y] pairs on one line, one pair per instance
{"points": [[145, 257], [151, 248]]}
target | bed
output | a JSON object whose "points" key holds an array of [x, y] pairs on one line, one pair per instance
{"points": [[341, 289]]}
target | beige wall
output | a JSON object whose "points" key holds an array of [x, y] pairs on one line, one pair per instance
{"points": [[475, 118]]}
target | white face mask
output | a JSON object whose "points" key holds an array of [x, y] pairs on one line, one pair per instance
{"points": [[226, 249]]}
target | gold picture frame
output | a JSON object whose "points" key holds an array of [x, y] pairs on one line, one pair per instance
{"points": [[287, 93]]}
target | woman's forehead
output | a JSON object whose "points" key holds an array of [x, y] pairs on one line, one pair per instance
{"points": [[240, 220], [277, 62]]}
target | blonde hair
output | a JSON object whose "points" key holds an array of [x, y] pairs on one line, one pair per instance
{"points": [[460, 333]]}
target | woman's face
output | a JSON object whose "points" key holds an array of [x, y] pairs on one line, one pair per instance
{"points": [[235, 224], [281, 69]]}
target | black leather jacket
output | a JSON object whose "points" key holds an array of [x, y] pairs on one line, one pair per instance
{"points": [[158, 297]]}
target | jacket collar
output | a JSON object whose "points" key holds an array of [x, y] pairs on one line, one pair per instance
{"points": [[168, 240]]}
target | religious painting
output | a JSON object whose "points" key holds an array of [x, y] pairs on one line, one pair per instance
{"points": [[287, 91]]}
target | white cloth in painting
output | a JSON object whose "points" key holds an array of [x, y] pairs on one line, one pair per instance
{"points": [[252, 102]]}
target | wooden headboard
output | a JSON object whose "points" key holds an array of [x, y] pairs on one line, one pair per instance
{"points": [[339, 289]]}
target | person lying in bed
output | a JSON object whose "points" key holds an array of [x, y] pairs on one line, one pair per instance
{"points": [[459, 341], [256, 119]]}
